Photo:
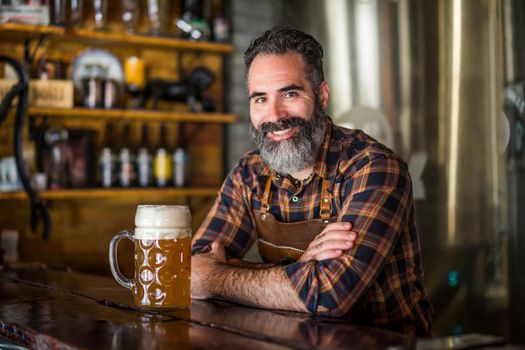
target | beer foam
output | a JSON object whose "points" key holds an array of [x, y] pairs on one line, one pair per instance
{"points": [[163, 216], [161, 233]]}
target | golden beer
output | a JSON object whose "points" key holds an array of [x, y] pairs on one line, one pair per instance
{"points": [[162, 240], [162, 272]]}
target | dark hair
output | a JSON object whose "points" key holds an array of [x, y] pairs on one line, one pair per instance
{"points": [[279, 40]]}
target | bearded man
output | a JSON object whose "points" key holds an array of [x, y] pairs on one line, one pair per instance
{"points": [[330, 209]]}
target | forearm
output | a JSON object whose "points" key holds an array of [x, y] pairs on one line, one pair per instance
{"points": [[260, 287]]}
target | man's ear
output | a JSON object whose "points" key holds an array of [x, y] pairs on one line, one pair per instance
{"points": [[324, 94]]}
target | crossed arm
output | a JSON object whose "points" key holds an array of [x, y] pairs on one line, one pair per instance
{"points": [[262, 285], [326, 280]]}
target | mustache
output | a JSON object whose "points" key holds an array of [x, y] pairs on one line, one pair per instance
{"points": [[283, 124]]}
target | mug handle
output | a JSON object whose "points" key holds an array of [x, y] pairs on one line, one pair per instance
{"points": [[113, 260]]}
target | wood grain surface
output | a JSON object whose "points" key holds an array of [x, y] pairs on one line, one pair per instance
{"points": [[85, 311]]}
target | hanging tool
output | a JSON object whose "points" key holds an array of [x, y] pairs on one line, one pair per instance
{"points": [[21, 90]]}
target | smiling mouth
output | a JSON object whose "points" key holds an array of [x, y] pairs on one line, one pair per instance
{"points": [[282, 134]]}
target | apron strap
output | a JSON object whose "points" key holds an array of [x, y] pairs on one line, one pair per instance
{"points": [[326, 208], [267, 196]]}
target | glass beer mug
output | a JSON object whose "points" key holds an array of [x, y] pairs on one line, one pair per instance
{"points": [[162, 240]]}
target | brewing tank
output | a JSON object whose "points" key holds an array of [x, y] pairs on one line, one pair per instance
{"points": [[428, 79]]}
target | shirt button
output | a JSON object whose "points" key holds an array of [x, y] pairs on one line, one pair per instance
{"points": [[295, 199], [277, 177], [296, 182]]}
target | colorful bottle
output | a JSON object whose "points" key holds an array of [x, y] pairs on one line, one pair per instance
{"points": [[144, 171], [126, 174], [107, 159], [162, 162], [180, 161]]}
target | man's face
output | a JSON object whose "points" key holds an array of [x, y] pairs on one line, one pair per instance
{"points": [[287, 120]]}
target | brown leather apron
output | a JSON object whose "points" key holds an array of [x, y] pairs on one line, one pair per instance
{"points": [[279, 241], [285, 242]]}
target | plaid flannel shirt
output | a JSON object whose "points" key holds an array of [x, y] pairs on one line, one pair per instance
{"points": [[371, 188]]}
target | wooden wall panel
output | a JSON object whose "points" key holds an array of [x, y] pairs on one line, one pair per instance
{"points": [[82, 230]]}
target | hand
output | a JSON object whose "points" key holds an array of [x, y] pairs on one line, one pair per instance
{"points": [[203, 268], [336, 238]]}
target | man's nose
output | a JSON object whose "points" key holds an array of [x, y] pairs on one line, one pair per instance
{"points": [[276, 110]]}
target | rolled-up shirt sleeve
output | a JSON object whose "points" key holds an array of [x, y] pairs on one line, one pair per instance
{"points": [[377, 194], [228, 221]]}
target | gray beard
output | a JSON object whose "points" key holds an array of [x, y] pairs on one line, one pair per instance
{"points": [[295, 153]]}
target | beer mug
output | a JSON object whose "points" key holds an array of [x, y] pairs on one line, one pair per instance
{"points": [[162, 273]]}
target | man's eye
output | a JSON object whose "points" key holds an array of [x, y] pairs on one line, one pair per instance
{"points": [[259, 100], [290, 94]]}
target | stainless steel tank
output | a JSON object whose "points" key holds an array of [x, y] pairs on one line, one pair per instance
{"points": [[428, 79], [514, 50]]}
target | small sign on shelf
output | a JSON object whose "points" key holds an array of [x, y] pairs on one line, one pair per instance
{"points": [[44, 93], [26, 14]]}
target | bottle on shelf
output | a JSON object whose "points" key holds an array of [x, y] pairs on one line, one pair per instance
{"points": [[55, 138], [126, 174], [135, 77], [58, 12], [107, 159], [100, 14], [180, 161], [158, 17], [130, 15], [162, 171], [92, 92], [143, 159], [66, 12], [194, 22], [221, 29]]}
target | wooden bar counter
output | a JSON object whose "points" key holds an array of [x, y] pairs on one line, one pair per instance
{"points": [[45, 309]]}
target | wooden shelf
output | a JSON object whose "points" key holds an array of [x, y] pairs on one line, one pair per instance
{"points": [[30, 30], [145, 40], [132, 115], [115, 193], [109, 38]]}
